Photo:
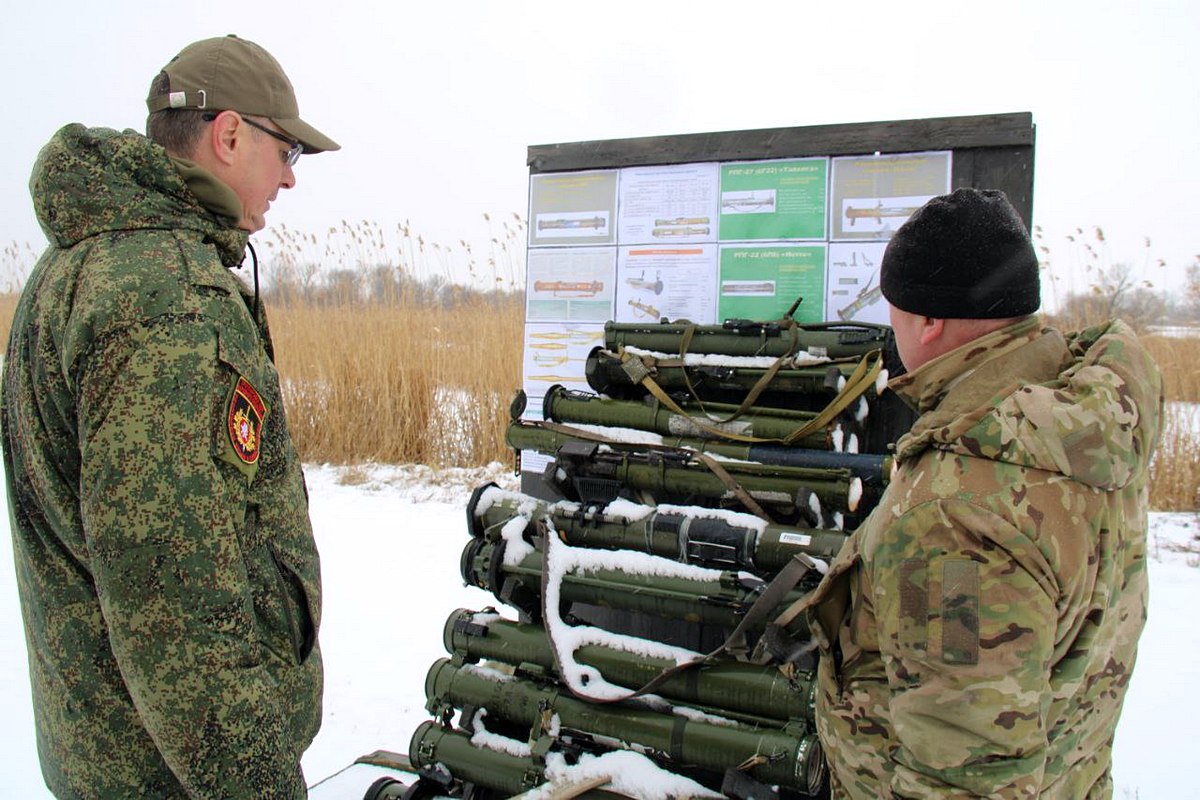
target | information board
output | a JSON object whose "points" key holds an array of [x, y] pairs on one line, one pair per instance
{"points": [[738, 225]]}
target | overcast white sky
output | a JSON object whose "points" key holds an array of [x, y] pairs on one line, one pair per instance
{"points": [[435, 103]]}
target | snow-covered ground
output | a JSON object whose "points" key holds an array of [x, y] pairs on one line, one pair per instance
{"points": [[390, 540]]}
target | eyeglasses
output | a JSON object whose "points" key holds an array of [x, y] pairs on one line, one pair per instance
{"points": [[294, 148]]}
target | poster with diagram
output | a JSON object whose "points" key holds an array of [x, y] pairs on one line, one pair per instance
{"points": [[667, 205], [872, 196], [761, 282], [710, 241], [674, 283], [570, 284], [852, 291], [774, 199], [573, 208], [555, 354]]}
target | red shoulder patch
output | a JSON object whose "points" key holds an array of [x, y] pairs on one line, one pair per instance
{"points": [[245, 423]]}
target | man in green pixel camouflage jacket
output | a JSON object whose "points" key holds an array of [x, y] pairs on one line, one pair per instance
{"points": [[168, 576], [978, 631]]}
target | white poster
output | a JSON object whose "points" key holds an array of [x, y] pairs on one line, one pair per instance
{"points": [[667, 282], [852, 288], [657, 283], [668, 204], [556, 354]]}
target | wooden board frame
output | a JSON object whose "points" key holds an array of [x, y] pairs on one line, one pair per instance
{"points": [[992, 151]]}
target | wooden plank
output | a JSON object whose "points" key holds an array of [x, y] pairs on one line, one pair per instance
{"points": [[900, 136], [566, 791], [1009, 169], [387, 758]]}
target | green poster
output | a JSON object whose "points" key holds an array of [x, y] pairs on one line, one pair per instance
{"points": [[761, 283], [774, 199]]}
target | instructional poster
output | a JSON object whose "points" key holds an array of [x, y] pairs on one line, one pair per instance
{"points": [[710, 241], [774, 199], [853, 287], [668, 205], [872, 196], [573, 208], [656, 283], [762, 282], [556, 354], [570, 284]]}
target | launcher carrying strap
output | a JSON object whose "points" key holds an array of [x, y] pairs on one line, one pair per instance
{"points": [[863, 377], [685, 343], [704, 458]]}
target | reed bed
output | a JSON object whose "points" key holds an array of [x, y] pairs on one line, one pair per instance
{"points": [[1175, 471], [8, 307], [1178, 358], [400, 382]]}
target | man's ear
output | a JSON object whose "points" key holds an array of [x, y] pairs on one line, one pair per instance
{"points": [[932, 330], [223, 140]]}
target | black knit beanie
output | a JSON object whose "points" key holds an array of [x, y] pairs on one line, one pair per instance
{"points": [[964, 255]]}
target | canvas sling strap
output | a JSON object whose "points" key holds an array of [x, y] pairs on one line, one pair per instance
{"points": [[863, 377], [708, 461], [685, 344]]}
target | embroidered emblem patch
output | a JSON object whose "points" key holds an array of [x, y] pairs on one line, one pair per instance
{"points": [[246, 414]]}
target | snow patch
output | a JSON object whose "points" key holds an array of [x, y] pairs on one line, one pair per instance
{"points": [[745, 362], [629, 773], [482, 737], [561, 559]]}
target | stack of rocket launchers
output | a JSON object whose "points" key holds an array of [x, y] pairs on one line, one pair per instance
{"points": [[718, 459]]}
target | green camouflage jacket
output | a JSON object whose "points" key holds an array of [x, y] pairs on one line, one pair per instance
{"points": [[168, 577], [978, 631]]}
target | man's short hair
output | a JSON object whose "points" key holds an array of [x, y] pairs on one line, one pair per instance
{"points": [[178, 130]]}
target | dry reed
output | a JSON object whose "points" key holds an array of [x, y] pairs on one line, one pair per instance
{"points": [[1177, 358], [8, 307], [1175, 472], [400, 382]]}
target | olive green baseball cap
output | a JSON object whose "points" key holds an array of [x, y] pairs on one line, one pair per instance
{"points": [[229, 73]]}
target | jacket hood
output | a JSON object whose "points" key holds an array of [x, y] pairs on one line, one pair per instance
{"points": [[89, 181], [1087, 406]]}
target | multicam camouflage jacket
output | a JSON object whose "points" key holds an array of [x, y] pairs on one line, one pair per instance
{"points": [[978, 631], [168, 577]]}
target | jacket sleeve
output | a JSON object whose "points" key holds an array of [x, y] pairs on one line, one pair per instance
{"points": [[162, 524], [967, 622]]}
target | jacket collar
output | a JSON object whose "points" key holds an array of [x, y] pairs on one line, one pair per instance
{"points": [[217, 198], [955, 390]]}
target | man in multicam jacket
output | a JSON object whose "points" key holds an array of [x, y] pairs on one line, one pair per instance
{"points": [[169, 581], [978, 631]]}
